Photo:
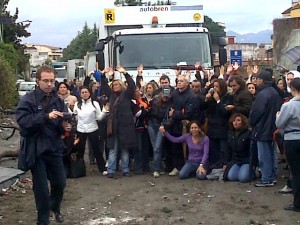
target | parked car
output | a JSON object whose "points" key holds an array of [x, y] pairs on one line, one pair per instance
{"points": [[25, 86]]}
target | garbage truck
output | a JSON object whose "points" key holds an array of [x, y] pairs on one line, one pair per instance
{"points": [[162, 38]]}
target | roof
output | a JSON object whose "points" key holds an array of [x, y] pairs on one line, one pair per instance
{"points": [[296, 6], [47, 46]]}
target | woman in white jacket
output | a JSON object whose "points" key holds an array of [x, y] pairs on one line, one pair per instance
{"points": [[88, 113]]}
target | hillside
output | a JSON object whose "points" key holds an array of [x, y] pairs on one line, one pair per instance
{"points": [[260, 37]]}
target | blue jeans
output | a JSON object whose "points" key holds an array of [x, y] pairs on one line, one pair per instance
{"points": [[156, 139], [189, 170], [266, 161], [239, 173], [112, 159]]}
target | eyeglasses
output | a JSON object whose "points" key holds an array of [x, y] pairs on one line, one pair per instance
{"points": [[46, 81]]}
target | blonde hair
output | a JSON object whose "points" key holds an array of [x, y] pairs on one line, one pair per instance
{"points": [[120, 82]]}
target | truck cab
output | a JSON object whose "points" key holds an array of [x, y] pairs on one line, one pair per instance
{"points": [[161, 38]]}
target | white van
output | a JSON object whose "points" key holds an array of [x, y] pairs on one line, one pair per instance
{"points": [[25, 86]]}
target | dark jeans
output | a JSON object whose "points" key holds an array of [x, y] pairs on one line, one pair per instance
{"points": [[50, 167], [95, 144], [292, 152], [175, 156], [141, 153], [217, 150]]}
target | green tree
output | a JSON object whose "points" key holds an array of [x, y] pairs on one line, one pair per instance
{"points": [[12, 33], [8, 56], [84, 42], [215, 29]]}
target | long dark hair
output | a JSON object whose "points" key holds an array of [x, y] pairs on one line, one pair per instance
{"points": [[222, 86], [81, 100]]}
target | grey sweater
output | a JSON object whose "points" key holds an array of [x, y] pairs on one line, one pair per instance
{"points": [[289, 119]]}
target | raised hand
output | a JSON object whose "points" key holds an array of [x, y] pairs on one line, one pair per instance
{"points": [[249, 70], [178, 72], [255, 69], [229, 68], [120, 69], [222, 71], [236, 66], [197, 65], [140, 69]]}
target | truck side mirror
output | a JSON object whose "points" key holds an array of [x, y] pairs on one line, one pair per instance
{"points": [[222, 51], [222, 56], [100, 60], [99, 46], [222, 42]]}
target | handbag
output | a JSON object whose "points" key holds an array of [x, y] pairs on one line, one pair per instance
{"points": [[109, 128], [27, 153], [77, 168]]}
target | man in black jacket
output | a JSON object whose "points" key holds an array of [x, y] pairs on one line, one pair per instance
{"points": [[40, 117], [262, 120], [242, 99], [184, 103]]}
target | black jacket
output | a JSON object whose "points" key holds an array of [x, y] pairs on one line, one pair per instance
{"points": [[158, 109], [238, 151], [263, 113], [184, 105], [218, 116], [122, 118], [32, 118], [242, 101]]}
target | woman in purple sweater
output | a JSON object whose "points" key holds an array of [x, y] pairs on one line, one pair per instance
{"points": [[198, 145]]}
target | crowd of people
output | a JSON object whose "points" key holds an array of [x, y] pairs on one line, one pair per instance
{"points": [[226, 122]]}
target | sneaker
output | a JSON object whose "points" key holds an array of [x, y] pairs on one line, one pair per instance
{"points": [[265, 184], [174, 172], [156, 174], [285, 190], [105, 173]]}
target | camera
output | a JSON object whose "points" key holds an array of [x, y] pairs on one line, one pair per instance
{"points": [[69, 117]]}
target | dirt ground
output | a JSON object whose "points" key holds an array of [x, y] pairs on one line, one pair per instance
{"points": [[144, 200]]}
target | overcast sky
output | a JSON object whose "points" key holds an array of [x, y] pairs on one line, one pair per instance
{"points": [[57, 22]]}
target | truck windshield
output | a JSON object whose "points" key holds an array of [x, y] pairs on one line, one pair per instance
{"points": [[163, 50], [61, 73]]}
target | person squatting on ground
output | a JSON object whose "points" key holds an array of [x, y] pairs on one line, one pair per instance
{"points": [[288, 119], [198, 144], [237, 157], [40, 117], [183, 108]]}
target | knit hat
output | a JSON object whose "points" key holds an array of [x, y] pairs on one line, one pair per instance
{"points": [[265, 75]]}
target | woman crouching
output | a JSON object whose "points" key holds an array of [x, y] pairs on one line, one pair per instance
{"points": [[198, 145]]}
